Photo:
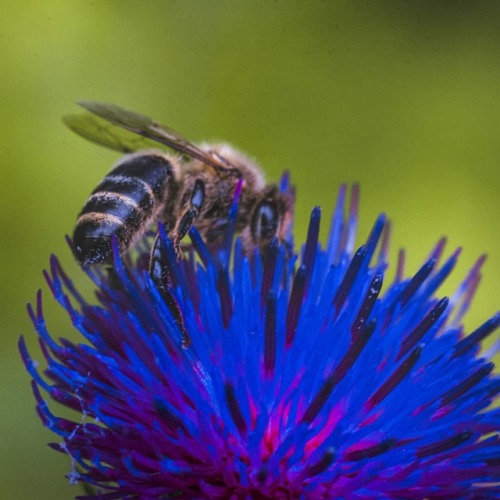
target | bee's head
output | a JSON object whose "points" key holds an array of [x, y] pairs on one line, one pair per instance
{"points": [[271, 217]]}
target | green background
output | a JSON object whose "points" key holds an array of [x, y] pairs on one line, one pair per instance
{"points": [[403, 97]]}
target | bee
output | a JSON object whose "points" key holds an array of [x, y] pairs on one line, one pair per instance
{"points": [[195, 186]]}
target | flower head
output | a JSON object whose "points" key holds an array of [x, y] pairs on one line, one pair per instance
{"points": [[311, 376]]}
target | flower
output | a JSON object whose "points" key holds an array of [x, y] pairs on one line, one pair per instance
{"points": [[308, 376]]}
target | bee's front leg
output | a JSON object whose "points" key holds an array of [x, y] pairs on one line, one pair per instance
{"points": [[188, 217]]}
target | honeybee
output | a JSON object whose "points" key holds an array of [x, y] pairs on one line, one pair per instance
{"points": [[194, 187]]}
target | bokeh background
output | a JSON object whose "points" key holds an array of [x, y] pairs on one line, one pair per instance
{"points": [[401, 96]]}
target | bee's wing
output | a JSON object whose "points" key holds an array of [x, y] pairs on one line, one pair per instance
{"points": [[106, 134], [146, 127]]}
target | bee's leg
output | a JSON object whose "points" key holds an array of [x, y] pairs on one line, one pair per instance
{"points": [[188, 217], [159, 274]]}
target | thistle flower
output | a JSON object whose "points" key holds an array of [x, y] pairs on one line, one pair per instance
{"points": [[306, 376]]}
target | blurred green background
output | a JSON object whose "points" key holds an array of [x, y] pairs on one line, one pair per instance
{"points": [[403, 97]]}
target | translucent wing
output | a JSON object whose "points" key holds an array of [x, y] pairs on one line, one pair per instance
{"points": [[106, 134], [148, 128]]}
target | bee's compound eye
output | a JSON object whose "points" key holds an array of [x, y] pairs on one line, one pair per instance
{"points": [[264, 223]]}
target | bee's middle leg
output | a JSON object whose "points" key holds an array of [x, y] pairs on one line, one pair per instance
{"points": [[159, 274]]}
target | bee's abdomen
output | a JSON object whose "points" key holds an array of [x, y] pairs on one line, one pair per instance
{"points": [[123, 204]]}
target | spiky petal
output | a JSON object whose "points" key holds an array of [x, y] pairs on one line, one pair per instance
{"points": [[306, 377]]}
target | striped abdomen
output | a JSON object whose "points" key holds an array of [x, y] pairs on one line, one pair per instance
{"points": [[124, 204]]}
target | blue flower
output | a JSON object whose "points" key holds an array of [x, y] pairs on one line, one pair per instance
{"points": [[318, 375]]}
